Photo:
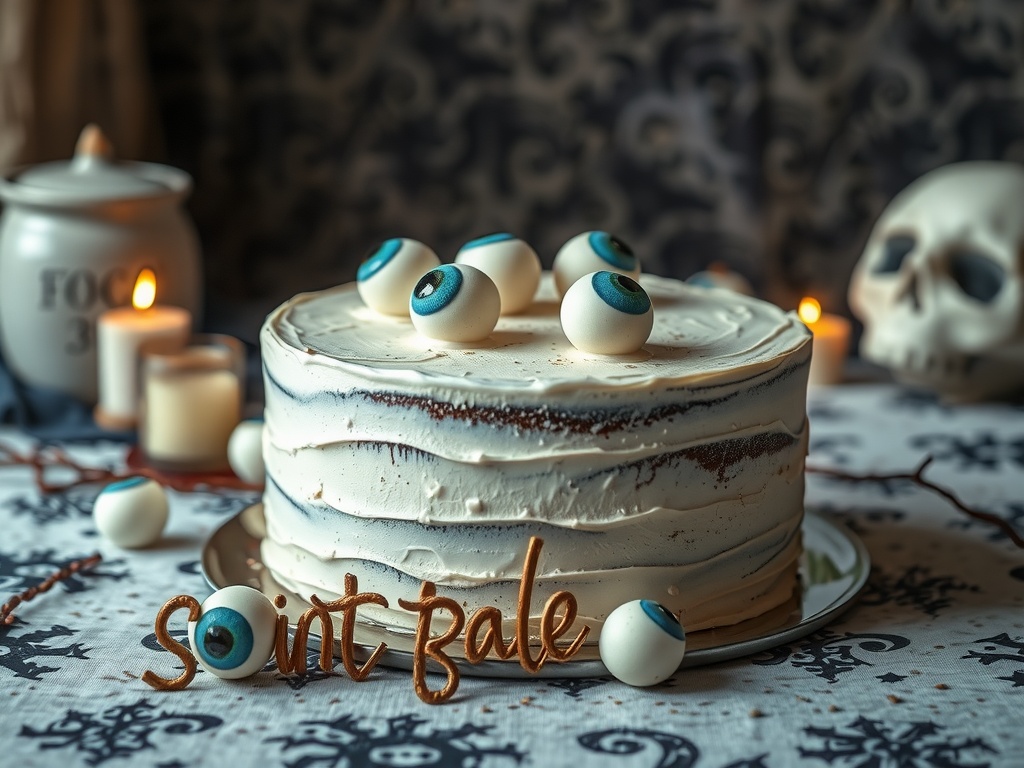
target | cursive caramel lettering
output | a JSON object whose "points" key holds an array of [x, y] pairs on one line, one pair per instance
{"points": [[163, 636], [483, 633], [427, 646]]}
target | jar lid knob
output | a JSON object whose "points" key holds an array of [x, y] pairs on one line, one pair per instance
{"points": [[92, 145]]}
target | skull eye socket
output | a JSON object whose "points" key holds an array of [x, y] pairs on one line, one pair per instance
{"points": [[894, 250], [976, 274]]}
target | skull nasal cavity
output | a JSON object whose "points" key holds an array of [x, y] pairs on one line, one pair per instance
{"points": [[910, 293], [894, 250]]}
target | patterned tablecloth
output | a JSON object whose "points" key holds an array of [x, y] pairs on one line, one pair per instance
{"points": [[927, 670]]}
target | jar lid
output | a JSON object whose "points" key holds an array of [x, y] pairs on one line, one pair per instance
{"points": [[93, 175]]}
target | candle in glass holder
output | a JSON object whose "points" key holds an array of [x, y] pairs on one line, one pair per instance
{"points": [[831, 342], [120, 332], [191, 403]]}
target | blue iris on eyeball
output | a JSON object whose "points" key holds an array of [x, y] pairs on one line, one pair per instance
{"points": [[224, 638], [497, 237], [662, 617], [235, 634], [377, 260], [621, 293], [436, 290], [592, 252], [605, 313], [455, 302], [390, 272], [613, 250]]}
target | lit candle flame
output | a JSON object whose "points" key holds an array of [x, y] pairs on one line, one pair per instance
{"points": [[145, 290], [810, 310]]}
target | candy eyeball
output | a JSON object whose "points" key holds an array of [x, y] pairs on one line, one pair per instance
{"points": [[591, 252], [131, 513], [455, 302], [511, 263], [245, 451], [387, 276], [642, 643], [606, 313], [234, 636]]}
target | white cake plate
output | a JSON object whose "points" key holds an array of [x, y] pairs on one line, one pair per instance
{"points": [[833, 570]]}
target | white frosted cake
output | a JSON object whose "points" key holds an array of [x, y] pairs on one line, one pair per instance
{"points": [[673, 474]]}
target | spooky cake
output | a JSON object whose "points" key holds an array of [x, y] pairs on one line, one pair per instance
{"points": [[674, 474]]}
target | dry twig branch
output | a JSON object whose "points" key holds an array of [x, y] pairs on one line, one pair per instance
{"points": [[50, 458], [917, 477], [7, 611]]}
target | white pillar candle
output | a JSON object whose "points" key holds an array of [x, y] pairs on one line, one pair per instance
{"points": [[120, 332], [192, 402], [831, 343]]}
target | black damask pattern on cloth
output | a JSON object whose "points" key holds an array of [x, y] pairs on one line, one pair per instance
{"points": [[638, 746], [352, 740], [224, 503], [662, 750], [868, 743], [915, 587], [828, 655], [53, 508], [574, 687], [28, 654], [120, 731], [985, 452], [1005, 652], [769, 139]]}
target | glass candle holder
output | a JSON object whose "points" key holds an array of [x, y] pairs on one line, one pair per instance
{"points": [[190, 403]]}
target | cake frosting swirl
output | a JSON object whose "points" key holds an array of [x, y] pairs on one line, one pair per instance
{"points": [[673, 474]]}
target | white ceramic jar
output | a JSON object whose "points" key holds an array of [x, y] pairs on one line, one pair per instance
{"points": [[74, 236]]}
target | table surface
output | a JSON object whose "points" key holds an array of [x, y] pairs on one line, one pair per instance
{"points": [[927, 669]]}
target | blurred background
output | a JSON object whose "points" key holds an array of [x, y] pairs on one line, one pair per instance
{"points": [[768, 135]]}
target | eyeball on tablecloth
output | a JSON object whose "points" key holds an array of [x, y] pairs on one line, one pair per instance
{"points": [[245, 451], [234, 636], [607, 314], [131, 513], [455, 302], [642, 643], [511, 263], [591, 252], [387, 276]]}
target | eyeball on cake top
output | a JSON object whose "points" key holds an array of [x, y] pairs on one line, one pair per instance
{"points": [[607, 314], [390, 272], [591, 252], [511, 263], [455, 302]]}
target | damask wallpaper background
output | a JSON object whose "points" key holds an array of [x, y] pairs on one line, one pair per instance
{"points": [[768, 135]]}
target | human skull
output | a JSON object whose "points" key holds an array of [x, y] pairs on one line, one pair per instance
{"points": [[938, 287]]}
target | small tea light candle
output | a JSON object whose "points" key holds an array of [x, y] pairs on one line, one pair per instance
{"points": [[831, 342], [191, 403], [120, 332]]}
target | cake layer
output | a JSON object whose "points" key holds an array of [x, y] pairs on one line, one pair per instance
{"points": [[674, 474], [386, 480]]}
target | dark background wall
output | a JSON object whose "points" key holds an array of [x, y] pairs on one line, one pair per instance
{"points": [[768, 135]]}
